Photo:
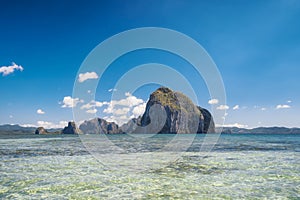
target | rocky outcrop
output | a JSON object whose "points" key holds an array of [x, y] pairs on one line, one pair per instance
{"points": [[71, 129], [41, 131], [99, 126], [209, 124], [131, 125], [173, 112]]}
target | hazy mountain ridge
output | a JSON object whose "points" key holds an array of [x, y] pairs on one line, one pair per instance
{"points": [[259, 130], [17, 129]]}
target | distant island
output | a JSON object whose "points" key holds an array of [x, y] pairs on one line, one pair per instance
{"points": [[174, 113], [8, 129]]}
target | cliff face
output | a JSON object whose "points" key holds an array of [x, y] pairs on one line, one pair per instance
{"points": [[208, 125], [180, 116], [71, 129], [99, 126]]}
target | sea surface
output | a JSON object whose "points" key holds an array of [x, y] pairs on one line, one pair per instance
{"points": [[237, 167]]}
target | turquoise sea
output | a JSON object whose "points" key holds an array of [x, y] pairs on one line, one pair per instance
{"points": [[238, 167]]}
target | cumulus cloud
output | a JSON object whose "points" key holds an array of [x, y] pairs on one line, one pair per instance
{"points": [[289, 101], [92, 111], [213, 101], [6, 70], [223, 107], [28, 125], [120, 111], [236, 107], [69, 102], [93, 104], [233, 125], [139, 110], [129, 101], [86, 76], [263, 109], [284, 106], [40, 111], [121, 119], [48, 125], [112, 90]]}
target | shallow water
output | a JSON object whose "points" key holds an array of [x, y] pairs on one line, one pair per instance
{"points": [[238, 167]]}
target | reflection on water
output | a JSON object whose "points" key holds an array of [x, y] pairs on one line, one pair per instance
{"points": [[240, 166]]}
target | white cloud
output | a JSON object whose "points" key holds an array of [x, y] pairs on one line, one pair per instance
{"points": [[10, 116], [120, 111], [86, 76], [223, 107], [40, 111], [263, 109], [236, 107], [282, 106], [44, 124], [92, 111], [233, 125], [213, 101], [109, 109], [121, 119], [70, 102], [28, 125], [289, 101], [5, 70], [93, 104], [48, 125], [112, 90], [115, 119], [129, 101], [139, 110], [100, 104]]}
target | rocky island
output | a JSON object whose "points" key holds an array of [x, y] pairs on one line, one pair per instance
{"points": [[166, 111], [174, 113]]}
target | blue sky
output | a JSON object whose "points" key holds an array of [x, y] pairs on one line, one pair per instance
{"points": [[256, 46]]}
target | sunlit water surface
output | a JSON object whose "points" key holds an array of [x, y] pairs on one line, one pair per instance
{"points": [[238, 167]]}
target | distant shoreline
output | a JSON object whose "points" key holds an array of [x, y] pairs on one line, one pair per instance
{"points": [[20, 130]]}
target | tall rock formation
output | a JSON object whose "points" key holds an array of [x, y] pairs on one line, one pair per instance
{"points": [[208, 122], [99, 126], [174, 113], [71, 129]]}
